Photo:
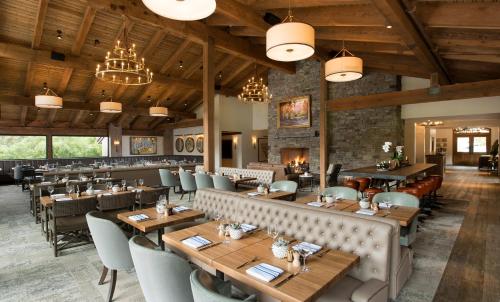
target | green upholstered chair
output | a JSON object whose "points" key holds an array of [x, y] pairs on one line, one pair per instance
{"points": [[286, 186], [223, 183], [342, 192], [203, 181]]}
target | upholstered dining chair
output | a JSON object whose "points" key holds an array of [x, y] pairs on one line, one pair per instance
{"points": [[332, 177], [149, 197], [188, 183], [168, 179], [286, 186], [223, 183], [203, 181], [160, 273], [342, 192], [205, 289], [407, 234], [112, 247]]}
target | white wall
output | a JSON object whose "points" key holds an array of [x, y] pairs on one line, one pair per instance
{"points": [[260, 119], [126, 146], [193, 132], [411, 83]]}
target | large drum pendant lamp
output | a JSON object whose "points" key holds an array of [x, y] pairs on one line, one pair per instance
{"points": [[182, 10], [110, 107], [48, 99], [158, 111], [344, 68], [290, 40]]}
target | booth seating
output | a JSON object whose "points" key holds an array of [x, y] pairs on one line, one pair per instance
{"points": [[265, 177], [280, 170], [384, 265]]}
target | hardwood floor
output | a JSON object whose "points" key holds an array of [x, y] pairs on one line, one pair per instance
{"points": [[473, 270]]}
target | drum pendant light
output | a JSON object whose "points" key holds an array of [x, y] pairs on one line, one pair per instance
{"points": [[290, 41], [182, 10], [48, 99], [344, 68], [110, 107]]}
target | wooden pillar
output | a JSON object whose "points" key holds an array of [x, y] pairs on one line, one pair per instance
{"points": [[323, 127], [48, 147], [208, 105]]}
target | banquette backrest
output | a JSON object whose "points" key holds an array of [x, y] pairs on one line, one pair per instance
{"points": [[263, 176], [370, 239]]}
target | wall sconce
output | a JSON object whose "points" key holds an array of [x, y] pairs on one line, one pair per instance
{"points": [[116, 142], [254, 141], [235, 141]]}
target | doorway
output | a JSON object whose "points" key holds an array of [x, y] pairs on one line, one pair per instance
{"points": [[469, 145]]}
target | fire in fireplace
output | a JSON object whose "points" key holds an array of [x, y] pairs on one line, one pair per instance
{"points": [[297, 159]]}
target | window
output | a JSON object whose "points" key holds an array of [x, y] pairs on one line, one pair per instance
{"points": [[479, 144], [463, 144], [79, 146], [22, 147]]}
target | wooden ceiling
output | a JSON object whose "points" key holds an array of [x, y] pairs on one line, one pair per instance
{"points": [[460, 41]]}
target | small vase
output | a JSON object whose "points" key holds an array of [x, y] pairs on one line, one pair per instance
{"points": [[235, 233], [280, 251]]}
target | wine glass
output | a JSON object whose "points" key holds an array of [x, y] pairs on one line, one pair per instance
{"points": [[227, 235], [124, 182], [304, 254], [141, 182], [218, 218], [109, 185], [108, 175], [50, 189], [69, 189], [272, 231]]}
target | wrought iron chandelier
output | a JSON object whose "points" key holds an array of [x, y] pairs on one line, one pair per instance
{"points": [[255, 91], [121, 65]]}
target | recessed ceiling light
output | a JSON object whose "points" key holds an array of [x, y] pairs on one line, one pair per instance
{"points": [[59, 34], [180, 65], [388, 26]]}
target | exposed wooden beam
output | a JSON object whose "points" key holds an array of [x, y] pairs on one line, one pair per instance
{"points": [[100, 119], [478, 15], [121, 119], [63, 84], [62, 130], [29, 79], [395, 13], [23, 115], [182, 124], [119, 91], [153, 44], [94, 107], [80, 115], [208, 105], [157, 121], [193, 68], [43, 57], [243, 13], [176, 56], [40, 19], [132, 122], [183, 99], [228, 78], [448, 92], [223, 64], [89, 90], [81, 36], [323, 127], [51, 117], [195, 31], [276, 4]]}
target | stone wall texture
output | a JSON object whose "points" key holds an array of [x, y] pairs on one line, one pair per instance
{"points": [[355, 136]]}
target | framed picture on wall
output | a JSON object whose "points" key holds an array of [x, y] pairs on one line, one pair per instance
{"points": [[295, 112], [199, 144], [179, 144], [189, 144], [143, 145], [262, 149]]}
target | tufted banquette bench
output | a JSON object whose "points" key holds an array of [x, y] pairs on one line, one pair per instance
{"points": [[263, 176], [384, 266]]}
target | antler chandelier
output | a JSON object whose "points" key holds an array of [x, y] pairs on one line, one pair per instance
{"points": [[255, 91], [121, 65]]}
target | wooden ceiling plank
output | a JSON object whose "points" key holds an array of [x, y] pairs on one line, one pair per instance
{"points": [[243, 13], [63, 84], [195, 66], [119, 91], [51, 117], [156, 122], [181, 124], [176, 56], [80, 115], [23, 115], [195, 31], [39, 21], [477, 15], [448, 92], [153, 44], [235, 73], [81, 36], [277, 4], [184, 98], [397, 17], [29, 79]]}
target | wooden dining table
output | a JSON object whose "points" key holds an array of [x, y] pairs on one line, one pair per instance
{"points": [[234, 258], [404, 215], [270, 195], [158, 222]]}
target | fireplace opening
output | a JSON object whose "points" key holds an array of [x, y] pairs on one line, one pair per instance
{"points": [[297, 159]]}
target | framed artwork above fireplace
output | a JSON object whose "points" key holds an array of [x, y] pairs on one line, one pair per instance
{"points": [[295, 112]]}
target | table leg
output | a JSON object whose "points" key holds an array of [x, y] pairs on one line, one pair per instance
{"points": [[387, 186], [161, 231]]}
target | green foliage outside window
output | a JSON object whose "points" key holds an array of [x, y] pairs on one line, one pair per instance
{"points": [[76, 146], [22, 147]]}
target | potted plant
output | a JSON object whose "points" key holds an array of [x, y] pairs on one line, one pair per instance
{"points": [[280, 248], [397, 154], [235, 231]]}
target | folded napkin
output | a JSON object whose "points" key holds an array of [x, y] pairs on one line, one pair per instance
{"points": [[98, 191], [272, 190], [181, 209], [365, 212], [138, 217], [196, 242], [315, 204], [45, 183], [385, 205], [310, 247], [254, 194], [265, 272], [55, 196], [247, 227], [64, 199], [107, 194]]}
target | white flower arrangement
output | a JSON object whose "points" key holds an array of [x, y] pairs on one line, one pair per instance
{"points": [[398, 151]]}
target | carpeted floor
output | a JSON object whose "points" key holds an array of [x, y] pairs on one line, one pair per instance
{"points": [[29, 271]]}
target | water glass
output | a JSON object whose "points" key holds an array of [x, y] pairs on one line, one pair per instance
{"points": [[50, 189], [160, 206], [89, 186], [124, 182], [272, 231], [304, 254], [141, 182]]}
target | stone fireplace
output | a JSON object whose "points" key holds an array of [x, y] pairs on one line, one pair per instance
{"points": [[297, 159]]}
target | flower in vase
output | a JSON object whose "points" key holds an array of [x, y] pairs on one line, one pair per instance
{"points": [[387, 147]]}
